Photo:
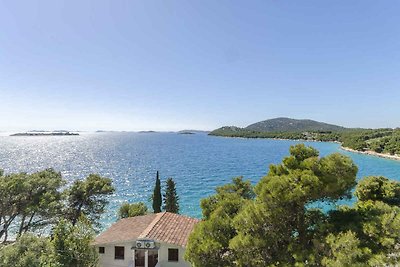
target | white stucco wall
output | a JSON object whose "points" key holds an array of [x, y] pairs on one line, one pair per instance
{"points": [[163, 256], [107, 259]]}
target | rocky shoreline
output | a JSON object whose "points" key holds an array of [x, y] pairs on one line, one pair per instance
{"points": [[372, 153], [368, 152]]}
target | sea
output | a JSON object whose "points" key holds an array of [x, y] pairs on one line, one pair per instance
{"points": [[198, 163]]}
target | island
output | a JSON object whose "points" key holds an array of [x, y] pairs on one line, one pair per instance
{"points": [[193, 132], [382, 142], [34, 133], [147, 132]]}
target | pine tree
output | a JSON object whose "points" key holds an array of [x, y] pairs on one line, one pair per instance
{"points": [[171, 198], [157, 199]]}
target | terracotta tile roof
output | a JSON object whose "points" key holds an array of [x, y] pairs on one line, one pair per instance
{"points": [[162, 227], [125, 229], [172, 228]]}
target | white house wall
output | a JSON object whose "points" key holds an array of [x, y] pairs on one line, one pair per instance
{"points": [[107, 259], [163, 256]]}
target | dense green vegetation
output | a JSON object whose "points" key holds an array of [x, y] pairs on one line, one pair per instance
{"points": [[37, 203], [232, 131], [171, 198], [276, 224], [168, 202], [378, 140], [70, 246], [156, 197], [292, 125], [88, 198], [132, 209]]}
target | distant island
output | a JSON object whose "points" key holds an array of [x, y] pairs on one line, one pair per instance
{"points": [[384, 142], [44, 133], [193, 132], [184, 132], [147, 132]]}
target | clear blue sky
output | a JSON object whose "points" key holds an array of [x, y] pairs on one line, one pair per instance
{"points": [[170, 65]]}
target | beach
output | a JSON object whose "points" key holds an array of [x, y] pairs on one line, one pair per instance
{"points": [[372, 153]]}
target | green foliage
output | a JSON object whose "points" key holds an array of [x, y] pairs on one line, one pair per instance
{"points": [[279, 227], [209, 242], [379, 140], [73, 244], [284, 195], [89, 198], [29, 201], [131, 210], [171, 198], [376, 225], [378, 188], [292, 125], [70, 246], [237, 189], [345, 251], [28, 250], [156, 197]]}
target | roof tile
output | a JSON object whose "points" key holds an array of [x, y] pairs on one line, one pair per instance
{"points": [[163, 227]]}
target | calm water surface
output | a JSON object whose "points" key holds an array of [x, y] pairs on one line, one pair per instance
{"points": [[198, 163]]}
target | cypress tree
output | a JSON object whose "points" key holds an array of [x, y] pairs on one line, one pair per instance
{"points": [[157, 199], [171, 198]]}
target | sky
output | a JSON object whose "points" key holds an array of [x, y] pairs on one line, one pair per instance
{"points": [[172, 65]]}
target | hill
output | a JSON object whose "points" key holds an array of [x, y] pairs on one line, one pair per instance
{"points": [[292, 125], [385, 141]]}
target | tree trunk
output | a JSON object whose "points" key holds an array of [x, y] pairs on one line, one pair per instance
{"points": [[29, 222], [6, 224], [77, 215], [21, 225]]}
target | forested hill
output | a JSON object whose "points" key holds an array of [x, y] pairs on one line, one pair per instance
{"points": [[292, 125], [385, 141], [281, 128]]}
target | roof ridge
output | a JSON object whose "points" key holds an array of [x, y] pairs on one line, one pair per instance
{"points": [[151, 225]]}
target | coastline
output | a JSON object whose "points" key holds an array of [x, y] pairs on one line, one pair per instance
{"points": [[279, 139], [372, 153], [368, 152]]}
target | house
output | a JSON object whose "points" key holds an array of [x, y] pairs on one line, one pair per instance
{"points": [[152, 240]]}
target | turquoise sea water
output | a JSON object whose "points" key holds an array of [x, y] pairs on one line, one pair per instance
{"points": [[198, 163]]}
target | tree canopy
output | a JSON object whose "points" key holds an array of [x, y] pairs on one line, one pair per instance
{"points": [[40, 201], [72, 244], [88, 197], [171, 198], [29, 201], [69, 246], [131, 210], [280, 225], [28, 250], [156, 197], [384, 140], [209, 243]]}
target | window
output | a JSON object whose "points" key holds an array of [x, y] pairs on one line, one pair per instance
{"points": [[119, 253], [101, 250], [173, 254]]}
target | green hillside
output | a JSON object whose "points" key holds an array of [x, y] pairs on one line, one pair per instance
{"points": [[292, 125], [386, 141]]}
